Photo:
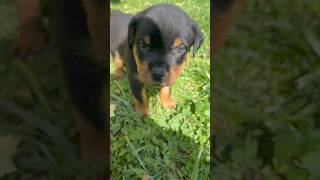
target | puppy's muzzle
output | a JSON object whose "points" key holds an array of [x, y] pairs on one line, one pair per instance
{"points": [[158, 74]]}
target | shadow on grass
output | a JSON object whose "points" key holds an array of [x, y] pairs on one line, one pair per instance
{"points": [[115, 1], [143, 147], [151, 146]]}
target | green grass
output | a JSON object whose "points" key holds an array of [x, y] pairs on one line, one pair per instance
{"points": [[170, 144], [267, 93]]}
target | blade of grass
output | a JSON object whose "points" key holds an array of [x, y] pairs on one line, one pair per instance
{"points": [[31, 78], [120, 99], [195, 171], [54, 134], [137, 171], [135, 153], [120, 88], [312, 40]]}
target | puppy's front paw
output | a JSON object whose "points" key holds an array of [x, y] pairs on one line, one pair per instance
{"points": [[118, 74], [141, 108], [169, 104], [29, 44]]}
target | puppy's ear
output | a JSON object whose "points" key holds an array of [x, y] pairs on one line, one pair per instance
{"points": [[132, 31], [197, 38]]}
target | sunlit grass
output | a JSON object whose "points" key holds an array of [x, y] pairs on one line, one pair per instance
{"points": [[169, 141]]}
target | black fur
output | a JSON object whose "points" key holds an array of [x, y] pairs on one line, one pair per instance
{"points": [[84, 72], [222, 5], [163, 23]]}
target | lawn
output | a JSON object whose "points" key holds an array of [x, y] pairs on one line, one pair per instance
{"points": [[267, 94], [170, 144]]}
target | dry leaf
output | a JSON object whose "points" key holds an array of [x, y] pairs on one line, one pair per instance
{"points": [[112, 109], [8, 147], [146, 177]]}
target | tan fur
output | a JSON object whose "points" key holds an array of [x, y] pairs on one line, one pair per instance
{"points": [[142, 108], [174, 72], [222, 23], [31, 38], [119, 66], [177, 42], [165, 98], [142, 68], [147, 40]]}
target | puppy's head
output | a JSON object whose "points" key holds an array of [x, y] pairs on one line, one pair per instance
{"points": [[160, 39]]}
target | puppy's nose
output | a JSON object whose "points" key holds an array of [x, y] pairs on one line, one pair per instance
{"points": [[158, 75]]}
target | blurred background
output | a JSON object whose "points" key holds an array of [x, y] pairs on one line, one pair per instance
{"points": [[38, 135], [267, 93]]}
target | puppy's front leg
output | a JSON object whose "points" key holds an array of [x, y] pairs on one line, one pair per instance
{"points": [[225, 14], [31, 37], [81, 40], [140, 98], [165, 98]]}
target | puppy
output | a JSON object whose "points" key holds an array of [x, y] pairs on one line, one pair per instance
{"points": [[154, 45]]}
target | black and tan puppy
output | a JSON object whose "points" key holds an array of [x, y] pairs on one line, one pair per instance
{"points": [[154, 44]]}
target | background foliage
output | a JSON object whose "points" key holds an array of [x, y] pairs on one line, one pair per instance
{"points": [[267, 93], [38, 134]]}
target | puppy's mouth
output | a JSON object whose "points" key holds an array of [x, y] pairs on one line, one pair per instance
{"points": [[161, 83], [149, 79]]}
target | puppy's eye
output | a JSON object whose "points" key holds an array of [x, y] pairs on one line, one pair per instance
{"points": [[142, 45], [181, 49]]}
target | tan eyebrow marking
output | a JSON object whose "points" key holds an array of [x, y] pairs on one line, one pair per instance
{"points": [[147, 39], [177, 42]]}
